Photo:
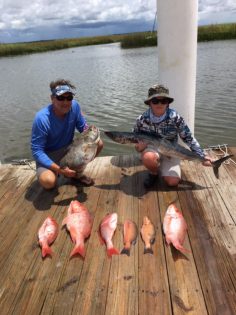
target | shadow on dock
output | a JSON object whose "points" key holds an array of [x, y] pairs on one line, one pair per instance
{"points": [[133, 184]]}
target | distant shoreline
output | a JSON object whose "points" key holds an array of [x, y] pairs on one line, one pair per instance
{"points": [[132, 40]]}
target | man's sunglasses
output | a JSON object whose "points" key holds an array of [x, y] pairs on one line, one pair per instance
{"points": [[63, 98], [159, 101]]}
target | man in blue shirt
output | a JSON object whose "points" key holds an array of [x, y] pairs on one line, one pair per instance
{"points": [[53, 131], [167, 123]]}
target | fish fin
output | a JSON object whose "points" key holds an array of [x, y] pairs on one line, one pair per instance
{"points": [[125, 251], [102, 242], [168, 241], [162, 230], [64, 222], [152, 241], [217, 164], [148, 250], [134, 242], [73, 233], [46, 250], [70, 209], [78, 249], [112, 251]]}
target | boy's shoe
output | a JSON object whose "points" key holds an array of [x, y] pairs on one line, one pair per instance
{"points": [[150, 180]]}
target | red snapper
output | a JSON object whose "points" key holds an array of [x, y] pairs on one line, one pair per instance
{"points": [[106, 229], [79, 223], [47, 234], [175, 228]]}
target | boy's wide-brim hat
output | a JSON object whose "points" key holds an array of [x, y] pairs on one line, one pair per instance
{"points": [[158, 91]]}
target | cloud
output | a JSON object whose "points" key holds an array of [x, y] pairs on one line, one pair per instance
{"points": [[211, 6], [216, 11], [51, 13], [26, 20]]}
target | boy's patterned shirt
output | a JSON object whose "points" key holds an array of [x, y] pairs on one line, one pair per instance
{"points": [[169, 128]]}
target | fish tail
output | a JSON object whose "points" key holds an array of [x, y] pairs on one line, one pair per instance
{"points": [[217, 164], [125, 251], [112, 251], [46, 250], [148, 250], [78, 249], [181, 248]]}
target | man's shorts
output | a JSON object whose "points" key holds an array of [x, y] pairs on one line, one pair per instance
{"points": [[56, 156], [169, 166]]}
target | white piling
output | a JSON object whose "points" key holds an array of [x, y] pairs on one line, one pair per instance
{"points": [[177, 53]]}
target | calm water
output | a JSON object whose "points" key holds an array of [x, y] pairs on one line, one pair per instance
{"points": [[111, 86]]}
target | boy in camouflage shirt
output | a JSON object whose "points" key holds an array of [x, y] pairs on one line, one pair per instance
{"points": [[165, 122]]}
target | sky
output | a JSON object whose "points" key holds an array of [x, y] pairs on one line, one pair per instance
{"points": [[31, 20]]}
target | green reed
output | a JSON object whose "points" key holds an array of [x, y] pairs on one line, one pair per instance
{"points": [[48, 45], [133, 40], [136, 40], [217, 32], [205, 33]]}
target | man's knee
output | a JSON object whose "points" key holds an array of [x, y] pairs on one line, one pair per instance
{"points": [[48, 179]]}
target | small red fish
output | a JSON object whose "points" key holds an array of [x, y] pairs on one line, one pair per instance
{"points": [[130, 233], [106, 229], [148, 235], [47, 234], [79, 223], [76, 206], [175, 228]]}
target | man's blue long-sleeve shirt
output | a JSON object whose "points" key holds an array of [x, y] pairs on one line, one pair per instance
{"points": [[50, 133]]}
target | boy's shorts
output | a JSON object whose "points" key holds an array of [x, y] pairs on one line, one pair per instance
{"points": [[169, 166]]}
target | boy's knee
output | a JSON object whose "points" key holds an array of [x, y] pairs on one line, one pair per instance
{"points": [[150, 157], [172, 181]]}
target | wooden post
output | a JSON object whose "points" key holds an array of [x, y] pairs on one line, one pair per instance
{"points": [[177, 53]]}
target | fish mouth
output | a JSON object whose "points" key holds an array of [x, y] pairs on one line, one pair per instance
{"points": [[91, 128], [92, 134], [108, 134], [111, 134]]}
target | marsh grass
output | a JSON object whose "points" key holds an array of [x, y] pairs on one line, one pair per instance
{"points": [[133, 40], [48, 45], [217, 32], [136, 40], [205, 33]]}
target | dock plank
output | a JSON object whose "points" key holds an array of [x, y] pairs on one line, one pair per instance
{"points": [[154, 296], [165, 283], [211, 234], [96, 271], [123, 282], [185, 287]]}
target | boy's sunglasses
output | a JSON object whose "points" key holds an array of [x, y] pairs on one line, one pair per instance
{"points": [[159, 101], [63, 98]]}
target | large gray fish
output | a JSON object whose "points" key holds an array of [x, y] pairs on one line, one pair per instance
{"points": [[82, 150], [162, 146]]}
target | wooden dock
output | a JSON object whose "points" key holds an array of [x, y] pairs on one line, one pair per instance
{"points": [[168, 282]]}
